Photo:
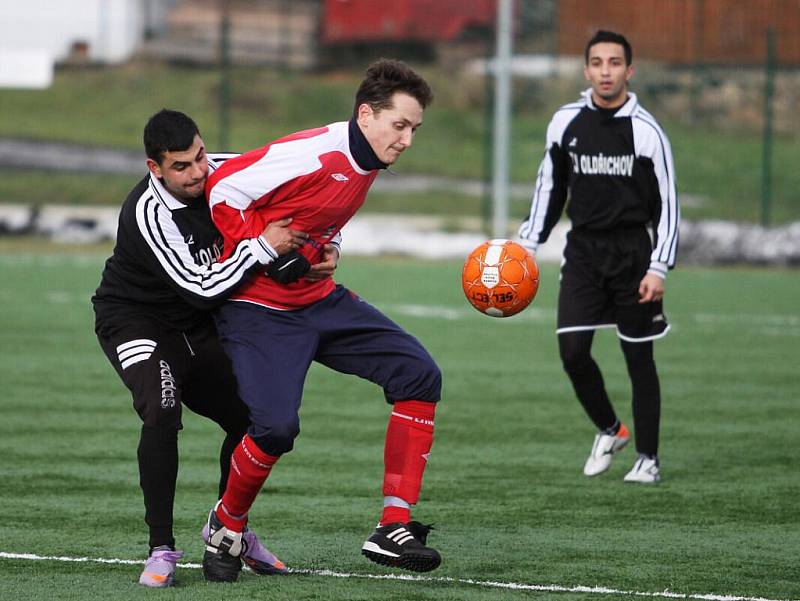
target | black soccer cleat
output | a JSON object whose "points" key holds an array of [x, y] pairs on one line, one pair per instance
{"points": [[220, 566], [401, 545], [222, 560]]}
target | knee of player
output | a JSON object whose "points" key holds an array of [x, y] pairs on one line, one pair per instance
{"points": [[421, 381], [573, 356], [235, 423], [166, 433], [434, 377], [571, 360], [160, 417], [237, 430], [275, 439], [428, 380]]}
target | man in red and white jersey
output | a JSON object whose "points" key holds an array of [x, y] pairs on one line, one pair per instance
{"points": [[274, 327]]}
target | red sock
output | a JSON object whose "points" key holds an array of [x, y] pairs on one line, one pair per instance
{"points": [[409, 437], [250, 467], [392, 514]]}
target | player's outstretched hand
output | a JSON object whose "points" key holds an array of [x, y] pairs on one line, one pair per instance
{"points": [[651, 288], [326, 267], [282, 238]]}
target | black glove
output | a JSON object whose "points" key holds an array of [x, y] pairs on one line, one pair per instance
{"points": [[288, 268]]}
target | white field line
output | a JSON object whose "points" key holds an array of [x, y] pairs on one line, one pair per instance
{"points": [[517, 586]]}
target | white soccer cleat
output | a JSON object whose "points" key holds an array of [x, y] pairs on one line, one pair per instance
{"points": [[604, 447], [645, 471]]}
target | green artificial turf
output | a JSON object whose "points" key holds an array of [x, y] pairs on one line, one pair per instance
{"points": [[504, 484]]}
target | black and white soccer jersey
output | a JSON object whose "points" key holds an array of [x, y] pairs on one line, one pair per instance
{"points": [[615, 165], [165, 263]]}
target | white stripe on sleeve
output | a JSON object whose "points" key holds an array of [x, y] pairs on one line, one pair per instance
{"points": [[651, 141], [166, 242]]}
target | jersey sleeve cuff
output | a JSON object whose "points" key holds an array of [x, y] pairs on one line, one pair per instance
{"points": [[262, 250], [659, 269], [528, 245]]}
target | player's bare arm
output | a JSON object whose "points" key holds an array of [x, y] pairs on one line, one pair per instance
{"points": [[651, 288], [282, 238], [326, 267]]}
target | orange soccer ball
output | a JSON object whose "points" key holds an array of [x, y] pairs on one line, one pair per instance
{"points": [[500, 278]]}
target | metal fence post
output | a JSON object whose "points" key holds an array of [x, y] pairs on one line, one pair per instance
{"points": [[488, 133], [766, 157], [502, 116], [224, 74]]}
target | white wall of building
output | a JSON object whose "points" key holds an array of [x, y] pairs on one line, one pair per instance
{"points": [[34, 34], [112, 29]]}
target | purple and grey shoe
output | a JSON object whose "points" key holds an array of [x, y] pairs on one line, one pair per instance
{"points": [[159, 570], [255, 555]]}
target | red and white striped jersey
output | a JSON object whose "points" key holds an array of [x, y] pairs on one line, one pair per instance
{"points": [[310, 176]]}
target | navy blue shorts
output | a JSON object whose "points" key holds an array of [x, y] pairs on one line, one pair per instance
{"points": [[272, 350]]}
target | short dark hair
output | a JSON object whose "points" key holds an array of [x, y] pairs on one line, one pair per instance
{"points": [[168, 131], [384, 78], [610, 36]]}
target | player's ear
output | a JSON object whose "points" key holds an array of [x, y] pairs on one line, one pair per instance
{"points": [[154, 168], [629, 72], [364, 114]]}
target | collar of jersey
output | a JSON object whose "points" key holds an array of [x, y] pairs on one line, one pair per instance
{"points": [[626, 110], [164, 195], [360, 149]]}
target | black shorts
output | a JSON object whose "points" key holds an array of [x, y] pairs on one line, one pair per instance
{"points": [[165, 369], [600, 279]]}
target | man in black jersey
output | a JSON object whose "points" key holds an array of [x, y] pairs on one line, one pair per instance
{"points": [[610, 157], [153, 321]]}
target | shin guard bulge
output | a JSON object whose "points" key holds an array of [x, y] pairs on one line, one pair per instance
{"points": [[250, 467], [409, 438]]}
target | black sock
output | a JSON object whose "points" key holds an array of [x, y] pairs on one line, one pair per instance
{"points": [[158, 471], [583, 372], [612, 431], [646, 395], [225, 452]]}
